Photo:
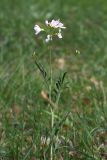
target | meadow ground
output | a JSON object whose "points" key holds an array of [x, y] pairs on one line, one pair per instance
{"points": [[25, 117]]}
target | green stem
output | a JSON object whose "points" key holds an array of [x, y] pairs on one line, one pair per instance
{"points": [[50, 97], [50, 88]]}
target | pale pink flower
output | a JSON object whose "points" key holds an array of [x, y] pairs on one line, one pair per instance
{"points": [[56, 24]]}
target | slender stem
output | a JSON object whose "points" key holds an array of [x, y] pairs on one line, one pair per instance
{"points": [[50, 88], [50, 97], [52, 123]]}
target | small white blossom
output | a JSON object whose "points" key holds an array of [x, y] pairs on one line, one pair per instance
{"points": [[49, 38], [59, 34], [37, 29], [46, 22]]}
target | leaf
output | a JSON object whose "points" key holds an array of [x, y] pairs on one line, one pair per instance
{"points": [[63, 77], [42, 71]]}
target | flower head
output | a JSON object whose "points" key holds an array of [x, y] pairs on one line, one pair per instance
{"points": [[54, 28], [37, 29]]}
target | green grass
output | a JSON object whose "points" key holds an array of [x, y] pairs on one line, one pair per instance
{"points": [[25, 118]]}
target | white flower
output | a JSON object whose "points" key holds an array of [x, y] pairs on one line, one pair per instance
{"points": [[59, 34], [56, 24], [46, 22], [49, 38], [37, 29]]}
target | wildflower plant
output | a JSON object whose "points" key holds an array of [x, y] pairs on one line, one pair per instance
{"points": [[52, 29]]}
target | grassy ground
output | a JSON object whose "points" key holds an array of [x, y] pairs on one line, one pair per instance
{"points": [[25, 118]]}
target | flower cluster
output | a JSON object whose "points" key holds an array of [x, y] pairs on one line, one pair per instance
{"points": [[53, 28]]}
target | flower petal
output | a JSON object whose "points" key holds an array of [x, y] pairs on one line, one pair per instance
{"points": [[37, 29]]}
